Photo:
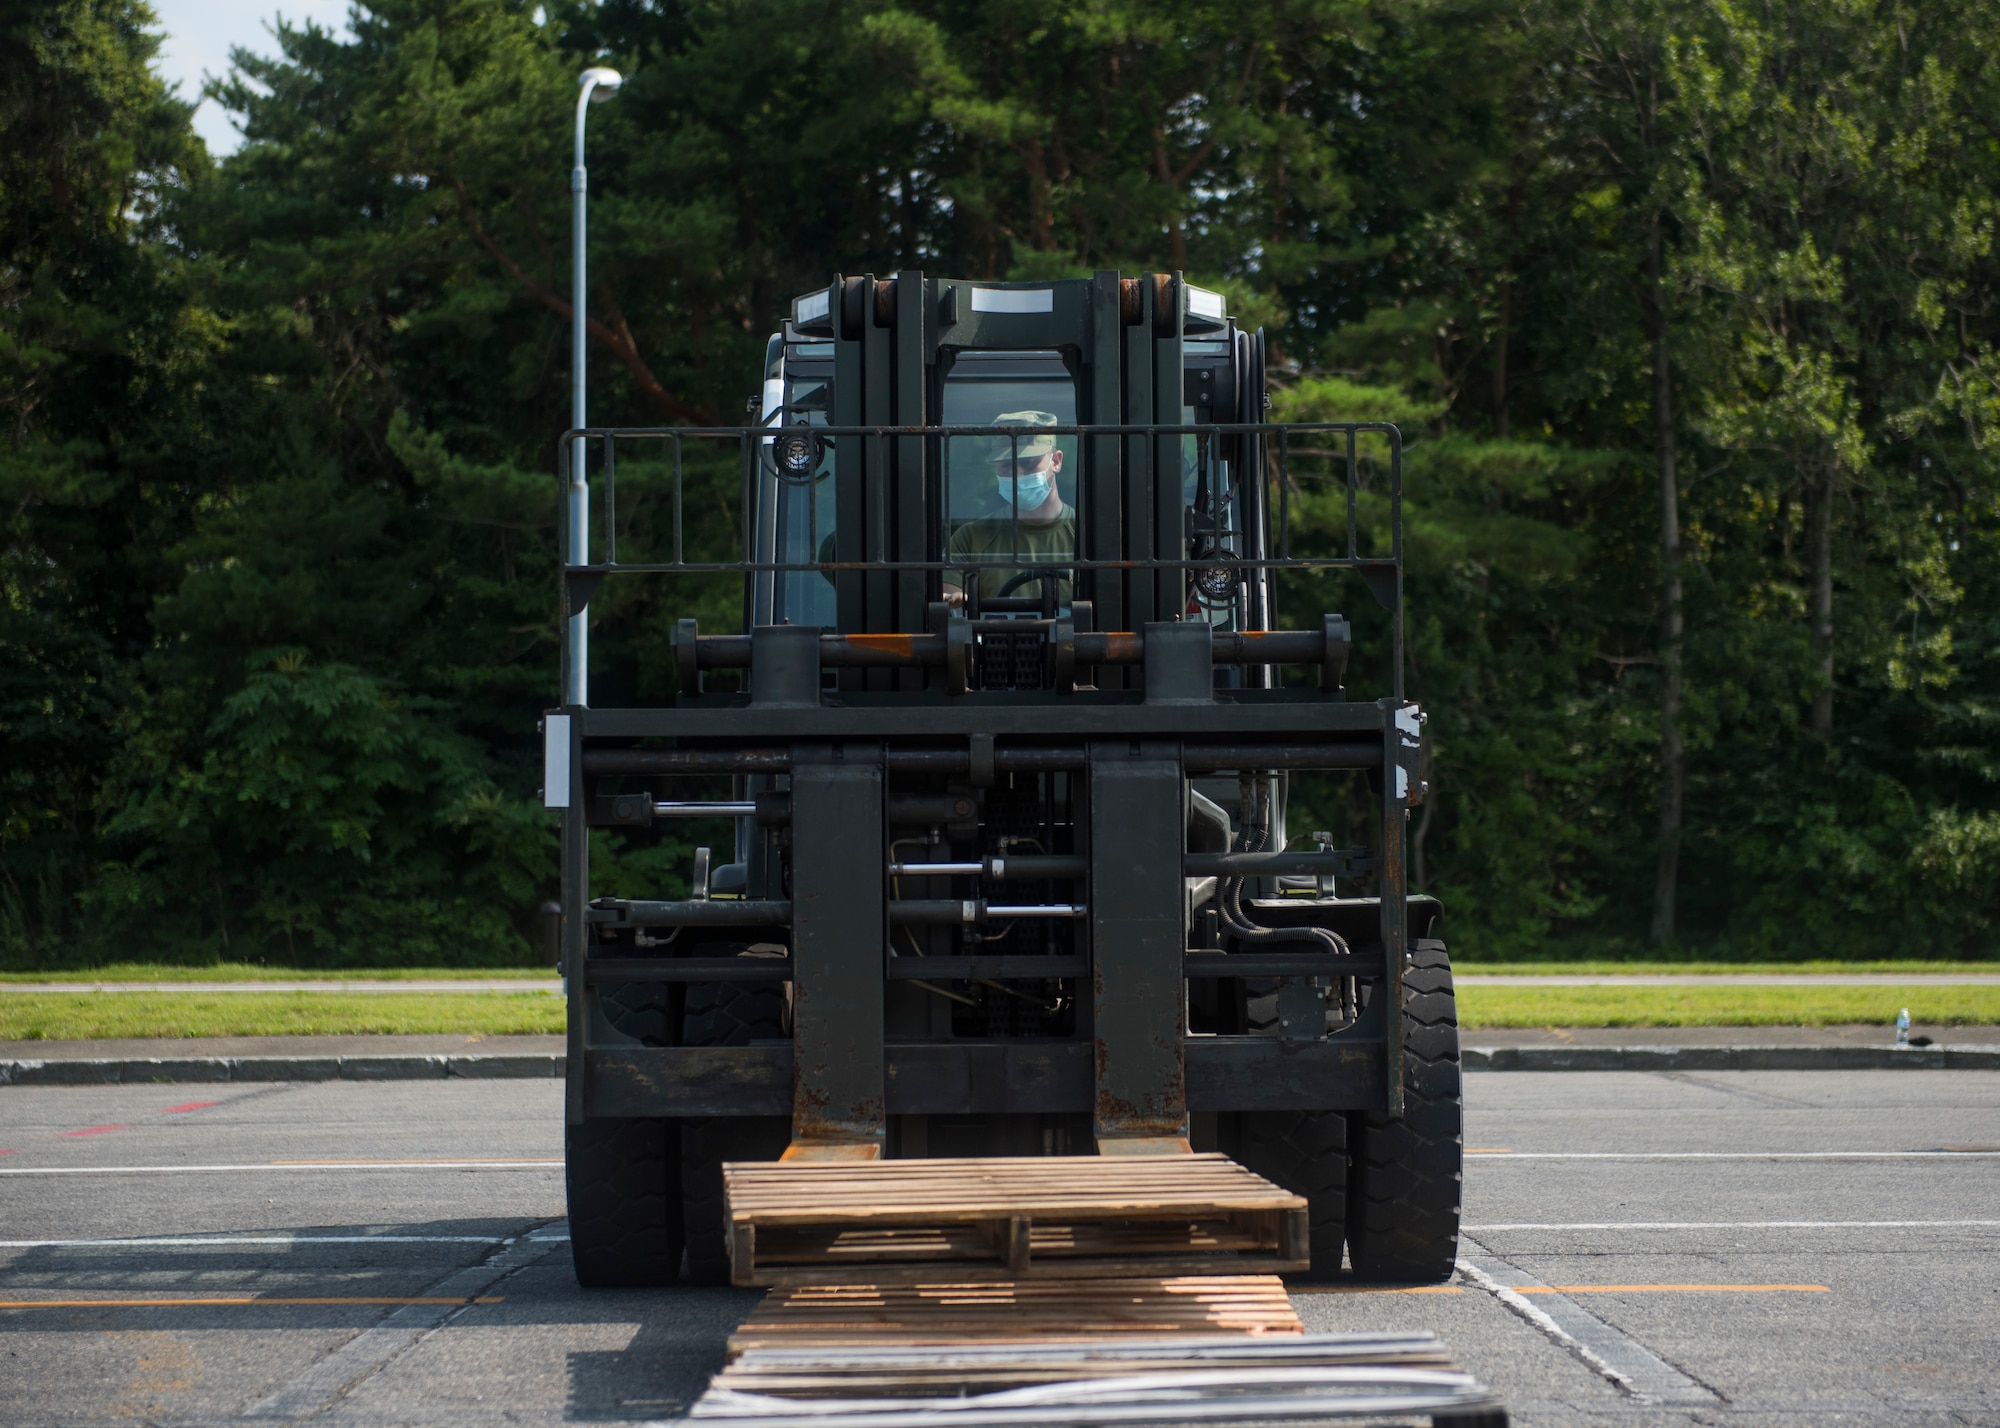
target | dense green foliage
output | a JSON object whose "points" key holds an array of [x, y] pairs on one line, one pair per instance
{"points": [[277, 578]]}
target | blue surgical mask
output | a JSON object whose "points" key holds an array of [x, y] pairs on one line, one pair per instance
{"points": [[1027, 491]]}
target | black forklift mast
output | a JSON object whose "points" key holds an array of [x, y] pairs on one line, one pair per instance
{"points": [[1131, 693]]}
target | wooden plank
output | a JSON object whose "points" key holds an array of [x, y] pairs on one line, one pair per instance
{"points": [[1140, 1173], [778, 1249], [1051, 1311], [874, 1372], [994, 1271], [775, 1187]]}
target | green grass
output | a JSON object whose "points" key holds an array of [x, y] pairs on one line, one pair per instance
{"points": [[1635, 969], [46, 1016], [249, 972], [1492, 1006], [81, 1016]]}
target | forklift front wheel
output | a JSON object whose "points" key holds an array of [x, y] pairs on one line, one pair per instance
{"points": [[623, 1179], [725, 1014], [1403, 1197]]}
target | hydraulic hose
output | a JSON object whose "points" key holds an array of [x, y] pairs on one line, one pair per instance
{"points": [[1229, 905]]}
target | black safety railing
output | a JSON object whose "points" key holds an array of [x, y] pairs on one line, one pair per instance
{"points": [[1229, 506]]}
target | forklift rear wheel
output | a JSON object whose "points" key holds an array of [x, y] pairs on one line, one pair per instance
{"points": [[724, 1014], [1403, 1197], [640, 1010], [624, 1207]]}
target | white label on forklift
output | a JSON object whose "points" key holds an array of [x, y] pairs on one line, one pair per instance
{"points": [[555, 761], [1410, 725], [1013, 300]]}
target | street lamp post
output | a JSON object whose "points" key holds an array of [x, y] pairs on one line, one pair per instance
{"points": [[597, 85]]}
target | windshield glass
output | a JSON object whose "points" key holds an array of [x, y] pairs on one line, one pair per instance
{"points": [[1010, 504]]}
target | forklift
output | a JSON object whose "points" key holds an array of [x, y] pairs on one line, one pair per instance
{"points": [[1006, 735]]}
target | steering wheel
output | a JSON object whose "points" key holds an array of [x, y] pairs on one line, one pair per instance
{"points": [[1024, 577]]}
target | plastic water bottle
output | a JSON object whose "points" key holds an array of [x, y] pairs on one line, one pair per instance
{"points": [[1903, 1029]]}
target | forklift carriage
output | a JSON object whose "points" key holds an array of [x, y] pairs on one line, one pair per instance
{"points": [[1011, 872]]}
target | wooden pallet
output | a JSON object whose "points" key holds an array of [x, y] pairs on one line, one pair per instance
{"points": [[1014, 1218], [847, 1316]]}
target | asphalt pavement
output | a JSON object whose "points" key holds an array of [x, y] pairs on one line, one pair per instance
{"points": [[1736, 1247]]}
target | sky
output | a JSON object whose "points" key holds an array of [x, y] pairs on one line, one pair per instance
{"points": [[200, 34]]}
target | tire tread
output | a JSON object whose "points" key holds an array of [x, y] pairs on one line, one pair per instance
{"points": [[724, 1014], [621, 1178], [1304, 1152], [1407, 1177]]}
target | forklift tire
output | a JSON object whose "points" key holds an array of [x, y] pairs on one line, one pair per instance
{"points": [[622, 1178], [724, 1014], [1404, 1192], [640, 1010], [1304, 1152]]}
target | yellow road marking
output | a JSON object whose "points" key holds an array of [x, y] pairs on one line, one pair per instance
{"points": [[1673, 1289], [1574, 1289], [1365, 1289], [247, 1299]]}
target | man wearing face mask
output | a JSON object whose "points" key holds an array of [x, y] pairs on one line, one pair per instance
{"points": [[1031, 527]]}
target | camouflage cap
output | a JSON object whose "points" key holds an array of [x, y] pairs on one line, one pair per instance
{"points": [[1029, 446]]}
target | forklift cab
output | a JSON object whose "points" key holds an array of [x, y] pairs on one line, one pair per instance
{"points": [[998, 370]]}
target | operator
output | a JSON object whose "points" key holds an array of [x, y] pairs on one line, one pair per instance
{"points": [[1029, 521]]}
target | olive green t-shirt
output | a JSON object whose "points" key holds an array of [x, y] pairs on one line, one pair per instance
{"points": [[1046, 546]]}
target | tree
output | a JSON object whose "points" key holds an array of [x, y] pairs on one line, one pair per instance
{"points": [[1687, 312], [99, 349]]}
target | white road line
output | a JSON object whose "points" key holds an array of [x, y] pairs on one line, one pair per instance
{"points": [[204, 1241], [318, 1385], [1625, 1361], [554, 1166], [1536, 1316], [1485, 1155], [1737, 1225]]}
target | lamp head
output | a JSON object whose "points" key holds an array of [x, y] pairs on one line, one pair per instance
{"points": [[606, 80]]}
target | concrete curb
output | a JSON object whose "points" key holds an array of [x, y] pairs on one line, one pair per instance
{"points": [[545, 1067], [1730, 1058], [280, 1068]]}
